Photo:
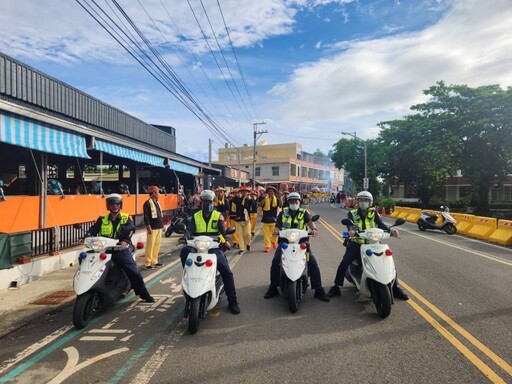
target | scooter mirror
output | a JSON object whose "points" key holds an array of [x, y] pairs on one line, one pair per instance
{"points": [[315, 217], [399, 221], [230, 230], [347, 222]]}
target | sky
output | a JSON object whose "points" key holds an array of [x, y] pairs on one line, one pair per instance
{"points": [[308, 69]]}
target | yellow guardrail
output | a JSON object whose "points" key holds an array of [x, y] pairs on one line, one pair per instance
{"points": [[483, 228], [503, 235]]}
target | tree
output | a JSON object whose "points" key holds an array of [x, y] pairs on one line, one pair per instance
{"points": [[477, 125]]}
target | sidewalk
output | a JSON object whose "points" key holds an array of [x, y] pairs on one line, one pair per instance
{"points": [[50, 281]]}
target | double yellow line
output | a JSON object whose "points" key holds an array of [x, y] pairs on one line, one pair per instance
{"points": [[484, 368]]}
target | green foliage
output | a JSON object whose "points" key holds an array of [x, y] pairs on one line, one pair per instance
{"points": [[458, 128], [387, 204]]}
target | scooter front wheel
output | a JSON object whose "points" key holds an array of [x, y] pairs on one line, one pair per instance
{"points": [[86, 306], [294, 295], [450, 229], [193, 315], [382, 299], [421, 226]]}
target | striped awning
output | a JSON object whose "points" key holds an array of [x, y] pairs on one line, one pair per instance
{"points": [[27, 133], [182, 167], [128, 153]]}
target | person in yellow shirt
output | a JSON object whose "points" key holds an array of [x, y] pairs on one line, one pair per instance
{"points": [[269, 205]]}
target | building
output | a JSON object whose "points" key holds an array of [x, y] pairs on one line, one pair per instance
{"points": [[280, 164]]}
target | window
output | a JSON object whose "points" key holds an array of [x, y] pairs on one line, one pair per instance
{"points": [[257, 172], [275, 171]]}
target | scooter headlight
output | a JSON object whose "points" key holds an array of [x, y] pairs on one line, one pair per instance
{"points": [[201, 245], [376, 236], [294, 236], [95, 243]]}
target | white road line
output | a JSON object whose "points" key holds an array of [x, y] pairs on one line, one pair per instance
{"points": [[493, 258], [108, 331], [36, 347], [98, 338]]}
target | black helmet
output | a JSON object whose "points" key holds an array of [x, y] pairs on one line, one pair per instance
{"points": [[113, 199]]}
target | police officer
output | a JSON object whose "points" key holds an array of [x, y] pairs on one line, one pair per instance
{"points": [[363, 217], [119, 225], [210, 222], [295, 217]]}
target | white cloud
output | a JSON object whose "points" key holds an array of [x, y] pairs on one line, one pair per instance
{"points": [[471, 45]]}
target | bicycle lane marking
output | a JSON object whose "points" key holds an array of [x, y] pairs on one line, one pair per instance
{"points": [[77, 332], [484, 368]]}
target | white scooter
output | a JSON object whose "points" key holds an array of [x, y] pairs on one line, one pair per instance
{"points": [[374, 274], [98, 282], [201, 282], [294, 267], [429, 221]]}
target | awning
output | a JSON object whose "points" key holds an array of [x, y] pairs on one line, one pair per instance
{"points": [[182, 167], [128, 153], [23, 132]]}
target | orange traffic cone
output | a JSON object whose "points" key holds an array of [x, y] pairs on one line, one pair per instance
{"points": [[383, 211], [390, 211]]}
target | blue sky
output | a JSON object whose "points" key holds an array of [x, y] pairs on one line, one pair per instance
{"points": [[309, 68]]}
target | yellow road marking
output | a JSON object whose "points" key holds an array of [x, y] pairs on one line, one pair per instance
{"points": [[484, 368]]}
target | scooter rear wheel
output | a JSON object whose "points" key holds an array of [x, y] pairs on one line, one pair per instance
{"points": [[86, 306], [193, 315], [382, 299], [422, 227], [450, 229]]}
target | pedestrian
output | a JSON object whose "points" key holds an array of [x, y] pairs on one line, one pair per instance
{"points": [[153, 220], [253, 211], [270, 205], [119, 225], [240, 207]]}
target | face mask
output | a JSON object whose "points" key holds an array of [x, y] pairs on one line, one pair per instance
{"points": [[294, 207], [364, 205], [208, 208]]}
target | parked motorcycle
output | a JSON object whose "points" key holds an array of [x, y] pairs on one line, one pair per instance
{"points": [[374, 272], [294, 267], [180, 217], [429, 221], [201, 283], [98, 282]]}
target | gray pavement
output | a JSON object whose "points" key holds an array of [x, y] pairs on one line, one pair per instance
{"points": [[16, 304]]}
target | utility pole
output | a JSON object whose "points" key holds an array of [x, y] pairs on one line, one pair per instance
{"points": [[257, 134], [365, 180]]}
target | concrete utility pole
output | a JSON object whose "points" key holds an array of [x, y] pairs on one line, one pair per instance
{"points": [[365, 180], [257, 134]]}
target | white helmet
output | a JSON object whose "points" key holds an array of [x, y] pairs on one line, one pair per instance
{"points": [[365, 195], [207, 195], [114, 198], [293, 196]]}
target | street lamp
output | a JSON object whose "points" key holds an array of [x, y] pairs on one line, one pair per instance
{"points": [[255, 136], [365, 181]]}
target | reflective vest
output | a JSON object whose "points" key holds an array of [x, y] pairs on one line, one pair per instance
{"points": [[203, 228], [288, 220], [369, 222], [107, 227]]}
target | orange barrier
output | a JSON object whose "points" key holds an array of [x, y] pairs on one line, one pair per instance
{"points": [[464, 222], [22, 213], [503, 235], [483, 228]]}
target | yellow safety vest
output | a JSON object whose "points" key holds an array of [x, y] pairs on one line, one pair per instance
{"points": [[107, 227], [369, 222], [288, 221], [202, 227]]}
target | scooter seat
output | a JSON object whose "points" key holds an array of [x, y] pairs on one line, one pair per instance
{"points": [[430, 215]]}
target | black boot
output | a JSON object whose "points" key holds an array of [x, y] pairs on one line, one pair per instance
{"points": [[271, 292], [321, 295], [234, 308], [334, 291], [399, 293]]}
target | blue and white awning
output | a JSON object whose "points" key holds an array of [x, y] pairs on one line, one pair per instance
{"points": [[182, 167], [128, 153], [27, 133]]}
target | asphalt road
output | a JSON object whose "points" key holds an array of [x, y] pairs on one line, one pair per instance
{"points": [[456, 328]]}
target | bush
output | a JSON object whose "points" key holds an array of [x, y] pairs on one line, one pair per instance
{"points": [[387, 203]]}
